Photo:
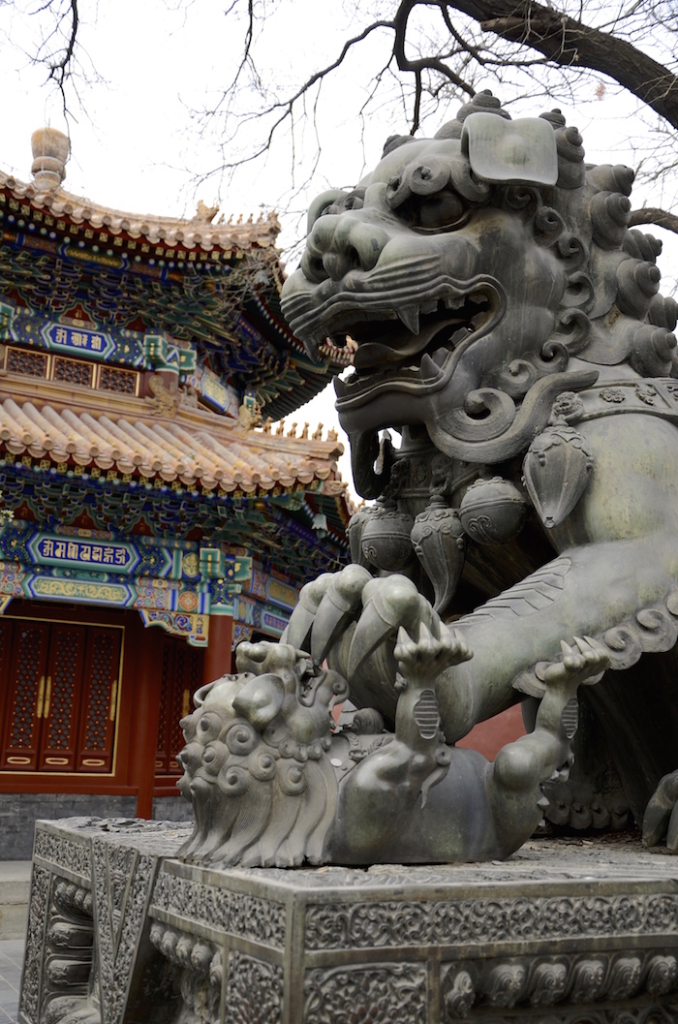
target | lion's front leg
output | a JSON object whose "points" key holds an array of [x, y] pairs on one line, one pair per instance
{"points": [[378, 798], [605, 590]]}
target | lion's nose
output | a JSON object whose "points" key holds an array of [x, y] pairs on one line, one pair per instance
{"points": [[338, 244]]}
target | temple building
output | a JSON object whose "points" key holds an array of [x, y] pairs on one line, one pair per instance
{"points": [[152, 515]]}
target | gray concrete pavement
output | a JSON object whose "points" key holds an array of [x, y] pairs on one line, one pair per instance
{"points": [[15, 877], [11, 959]]}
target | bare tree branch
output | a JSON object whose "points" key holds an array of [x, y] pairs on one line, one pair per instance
{"points": [[570, 43], [434, 51], [653, 215], [61, 69], [433, 63]]}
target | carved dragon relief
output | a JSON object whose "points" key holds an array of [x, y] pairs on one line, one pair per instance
{"points": [[508, 324]]}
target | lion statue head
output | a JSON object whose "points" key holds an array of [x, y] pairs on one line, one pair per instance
{"points": [[480, 274]]}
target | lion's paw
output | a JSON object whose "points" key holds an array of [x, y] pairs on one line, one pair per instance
{"points": [[584, 662], [661, 814], [424, 659]]}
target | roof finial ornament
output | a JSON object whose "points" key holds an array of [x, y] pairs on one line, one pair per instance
{"points": [[204, 214], [51, 149]]}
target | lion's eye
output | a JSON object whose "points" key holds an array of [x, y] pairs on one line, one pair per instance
{"points": [[353, 201], [442, 211]]}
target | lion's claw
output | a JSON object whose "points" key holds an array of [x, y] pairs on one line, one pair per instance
{"points": [[428, 656], [584, 662]]}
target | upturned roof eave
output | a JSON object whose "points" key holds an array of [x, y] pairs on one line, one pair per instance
{"points": [[185, 233], [130, 436]]}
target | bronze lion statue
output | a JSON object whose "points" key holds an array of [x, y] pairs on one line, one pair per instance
{"points": [[507, 323]]}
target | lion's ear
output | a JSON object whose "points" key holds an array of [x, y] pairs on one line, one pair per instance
{"points": [[521, 152], [260, 700]]}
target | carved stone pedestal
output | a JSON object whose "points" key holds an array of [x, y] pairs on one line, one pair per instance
{"points": [[565, 932]]}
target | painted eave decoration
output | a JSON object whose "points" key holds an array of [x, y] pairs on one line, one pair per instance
{"points": [[142, 362], [211, 286]]}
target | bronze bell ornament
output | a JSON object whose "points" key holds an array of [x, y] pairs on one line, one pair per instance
{"points": [[385, 540], [492, 511], [440, 545], [558, 464]]}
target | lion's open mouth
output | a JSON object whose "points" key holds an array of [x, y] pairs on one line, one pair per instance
{"points": [[413, 348], [435, 328]]}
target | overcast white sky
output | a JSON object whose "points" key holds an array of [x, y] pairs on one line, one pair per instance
{"points": [[148, 64]]}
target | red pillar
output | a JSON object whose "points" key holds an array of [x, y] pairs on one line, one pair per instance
{"points": [[219, 653], [145, 647]]}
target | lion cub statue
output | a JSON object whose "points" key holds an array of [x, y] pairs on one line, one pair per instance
{"points": [[274, 783]]}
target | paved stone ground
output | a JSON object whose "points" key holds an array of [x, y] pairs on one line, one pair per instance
{"points": [[11, 959]]}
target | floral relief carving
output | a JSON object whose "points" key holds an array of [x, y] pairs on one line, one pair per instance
{"points": [[200, 971], [376, 993], [490, 986], [644, 1013], [37, 917], [615, 395], [506, 984], [63, 852], [237, 913], [662, 975], [458, 995], [549, 983], [625, 976], [254, 993], [587, 982], [120, 918], [340, 926]]}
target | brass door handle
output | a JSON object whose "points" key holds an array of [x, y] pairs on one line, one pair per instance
{"points": [[41, 697], [48, 697], [114, 694]]}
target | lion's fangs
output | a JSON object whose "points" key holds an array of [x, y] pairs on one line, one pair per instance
{"points": [[410, 317], [432, 364]]}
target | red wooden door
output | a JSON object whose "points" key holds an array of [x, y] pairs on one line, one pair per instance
{"points": [[58, 696], [100, 700], [181, 677], [61, 704], [23, 673]]}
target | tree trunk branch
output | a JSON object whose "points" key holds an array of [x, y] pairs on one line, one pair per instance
{"points": [[571, 43], [653, 215]]}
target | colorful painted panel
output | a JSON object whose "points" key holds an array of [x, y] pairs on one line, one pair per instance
{"points": [[272, 624], [194, 628], [217, 394], [78, 339], [55, 550], [131, 348], [259, 617], [281, 593], [81, 591]]}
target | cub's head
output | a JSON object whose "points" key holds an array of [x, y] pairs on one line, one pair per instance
{"points": [[255, 762]]}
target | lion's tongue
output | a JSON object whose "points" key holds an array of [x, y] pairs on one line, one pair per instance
{"points": [[372, 354]]}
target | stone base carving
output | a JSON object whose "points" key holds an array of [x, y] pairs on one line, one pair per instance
{"points": [[88, 952], [565, 932]]}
